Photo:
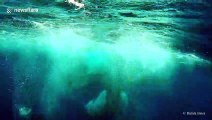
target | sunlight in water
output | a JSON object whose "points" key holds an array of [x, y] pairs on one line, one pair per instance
{"points": [[73, 58]]}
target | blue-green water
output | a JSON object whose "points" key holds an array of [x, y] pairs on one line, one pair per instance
{"points": [[112, 60]]}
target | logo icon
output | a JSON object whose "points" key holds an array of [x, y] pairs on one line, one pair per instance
{"points": [[9, 10]]}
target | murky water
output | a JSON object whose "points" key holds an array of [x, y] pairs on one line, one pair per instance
{"points": [[120, 60]]}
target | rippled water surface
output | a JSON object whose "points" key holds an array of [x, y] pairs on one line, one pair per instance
{"points": [[112, 60]]}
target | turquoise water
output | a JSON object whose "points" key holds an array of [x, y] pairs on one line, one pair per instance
{"points": [[120, 60]]}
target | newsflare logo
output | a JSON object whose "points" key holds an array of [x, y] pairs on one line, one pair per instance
{"points": [[21, 10]]}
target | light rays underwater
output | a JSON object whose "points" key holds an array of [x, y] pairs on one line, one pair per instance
{"points": [[67, 61]]}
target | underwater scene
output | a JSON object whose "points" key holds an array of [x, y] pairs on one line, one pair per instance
{"points": [[105, 60]]}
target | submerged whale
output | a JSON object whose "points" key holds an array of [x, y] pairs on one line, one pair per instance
{"points": [[61, 61]]}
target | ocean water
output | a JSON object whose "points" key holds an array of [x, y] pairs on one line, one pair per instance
{"points": [[112, 60]]}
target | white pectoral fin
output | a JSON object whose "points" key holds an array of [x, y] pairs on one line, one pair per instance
{"points": [[96, 106]]}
